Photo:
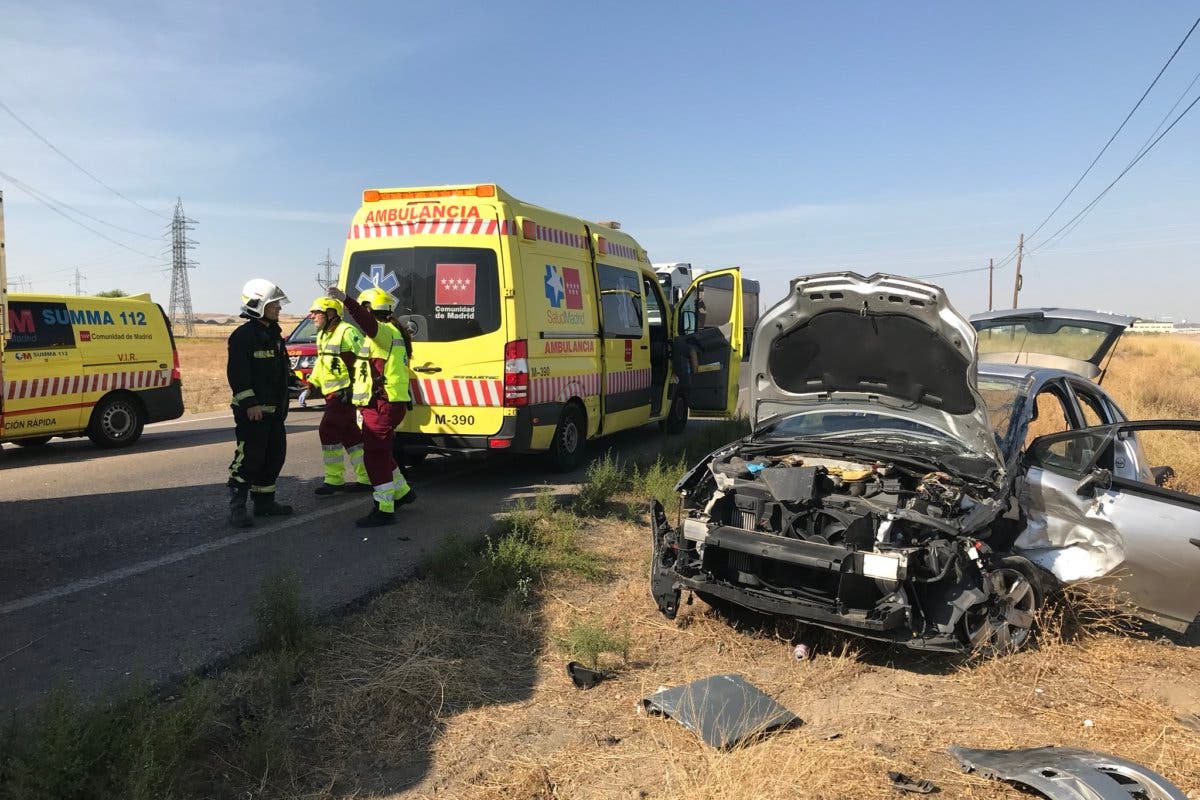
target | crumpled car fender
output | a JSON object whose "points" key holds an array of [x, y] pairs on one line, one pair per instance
{"points": [[1063, 773], [1071, 538]]}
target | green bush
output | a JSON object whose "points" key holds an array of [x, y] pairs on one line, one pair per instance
{"points": [[605, 478], [586, 641]]}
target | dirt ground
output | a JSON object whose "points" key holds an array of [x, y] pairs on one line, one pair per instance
{"points": [[866, 709]]}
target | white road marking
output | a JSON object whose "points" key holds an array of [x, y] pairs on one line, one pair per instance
{"points": [[22, 603], [38, 599]]}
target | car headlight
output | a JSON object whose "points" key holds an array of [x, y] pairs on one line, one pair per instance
{"points": [[306, 362], [295, 361]]}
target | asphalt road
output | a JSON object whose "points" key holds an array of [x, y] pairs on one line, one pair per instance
{"points": [[117, 567]]}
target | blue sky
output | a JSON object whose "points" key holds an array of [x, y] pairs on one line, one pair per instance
{"points": [[913, 138]]}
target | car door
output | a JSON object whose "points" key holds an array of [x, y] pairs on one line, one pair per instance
{"points": [[1049, 337], [1090, 520], [708, 342]]}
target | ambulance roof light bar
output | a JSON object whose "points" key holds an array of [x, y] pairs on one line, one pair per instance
{"points": [[479, 190]]}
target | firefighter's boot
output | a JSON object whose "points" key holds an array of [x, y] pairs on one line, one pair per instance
{"points": [[238, 516], [265, 505]]}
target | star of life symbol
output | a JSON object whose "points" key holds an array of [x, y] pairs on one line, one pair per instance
{"points": [[378, 278], [554, 286]]}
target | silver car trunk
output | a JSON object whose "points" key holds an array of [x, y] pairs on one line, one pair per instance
{"points": [[882, 343]]}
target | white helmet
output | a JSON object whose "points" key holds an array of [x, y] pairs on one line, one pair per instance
{"points": [[257, 293]]}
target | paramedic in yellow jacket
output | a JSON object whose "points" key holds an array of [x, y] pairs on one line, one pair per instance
{"points": [[338, 344], [380, 389]]}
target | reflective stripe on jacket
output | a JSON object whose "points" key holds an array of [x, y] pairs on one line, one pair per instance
{"points": [[330, 373], [386, 345]]}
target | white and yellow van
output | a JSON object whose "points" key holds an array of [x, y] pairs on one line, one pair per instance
{"points": [[535, 330], [75, 365]]}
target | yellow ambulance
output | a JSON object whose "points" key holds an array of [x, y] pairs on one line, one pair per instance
{"points": [[536, 331], [94, 366]]}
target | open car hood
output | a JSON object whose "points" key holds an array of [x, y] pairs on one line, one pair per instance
{"points": [[1063, 338], [896, 342]]}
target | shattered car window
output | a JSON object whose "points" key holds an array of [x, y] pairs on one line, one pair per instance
{"points": [[1000, 397]]}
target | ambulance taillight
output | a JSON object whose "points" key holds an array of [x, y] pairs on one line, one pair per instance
{"points": [[516, 374], [175, 373]]}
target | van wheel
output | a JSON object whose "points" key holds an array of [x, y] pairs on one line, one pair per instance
{"points": [[676, 421], [117, 421], [35, 441], [570, 440]]}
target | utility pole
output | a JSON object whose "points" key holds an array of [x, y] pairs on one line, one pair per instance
{"points": [[78, 282], [329, 277], [1017, 280], [3, 281], [991, 273], [181, 294]]}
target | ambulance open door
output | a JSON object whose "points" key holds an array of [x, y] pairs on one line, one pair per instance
{"points": [[708, 343]]}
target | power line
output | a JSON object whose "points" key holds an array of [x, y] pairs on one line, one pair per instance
{"points": [[58, 211], [1087, 209], [75, 163], [31, 190], [1120, 127]]}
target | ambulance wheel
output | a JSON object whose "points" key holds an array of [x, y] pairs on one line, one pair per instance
{"points": [[676, 421], [570, 440], [117, 421], [36, 441]]}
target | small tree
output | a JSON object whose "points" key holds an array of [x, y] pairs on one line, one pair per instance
{"points": [[113, 293]]}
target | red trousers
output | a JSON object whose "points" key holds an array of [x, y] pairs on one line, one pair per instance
{"points": [[339, 424], [380, 419]]}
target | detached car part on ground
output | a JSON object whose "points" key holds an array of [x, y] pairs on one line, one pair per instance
{"points": [[874, 496]]}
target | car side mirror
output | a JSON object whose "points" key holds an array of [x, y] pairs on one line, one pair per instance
{"points": [[1096, 479]]}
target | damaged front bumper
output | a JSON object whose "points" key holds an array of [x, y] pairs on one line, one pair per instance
{"points": [[870, 594]]}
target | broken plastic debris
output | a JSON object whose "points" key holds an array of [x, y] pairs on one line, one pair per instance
{"points": [[906, 784], [583, 677], [723, 709], [1087, 723]]}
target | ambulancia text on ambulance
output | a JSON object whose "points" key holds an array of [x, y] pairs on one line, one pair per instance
{"points": [[535, 331], [76, 365]]}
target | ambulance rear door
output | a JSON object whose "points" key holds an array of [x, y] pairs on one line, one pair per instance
{"points": [[446, 276], [626, 337], [707, 349]]}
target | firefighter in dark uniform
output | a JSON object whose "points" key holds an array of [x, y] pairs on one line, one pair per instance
{"points": [[258, 377]]}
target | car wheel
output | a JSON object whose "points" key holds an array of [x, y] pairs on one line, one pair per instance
{"points": [[676, 421], [117, 421], [35, 441], [1006, 621], [570, 440]]}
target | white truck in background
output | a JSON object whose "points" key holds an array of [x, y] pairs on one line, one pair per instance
{"points": [[676, 277]]}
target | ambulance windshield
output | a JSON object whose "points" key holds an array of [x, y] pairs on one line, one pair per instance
{"points": [[448, 293]]}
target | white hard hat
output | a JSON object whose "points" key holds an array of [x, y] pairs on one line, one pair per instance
{"points": [[257, 293]]}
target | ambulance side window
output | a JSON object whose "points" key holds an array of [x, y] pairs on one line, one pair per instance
{"points": [[620, 302], [35, 325]]}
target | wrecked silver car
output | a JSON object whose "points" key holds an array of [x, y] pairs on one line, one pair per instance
{"points": [[880, 494]]}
